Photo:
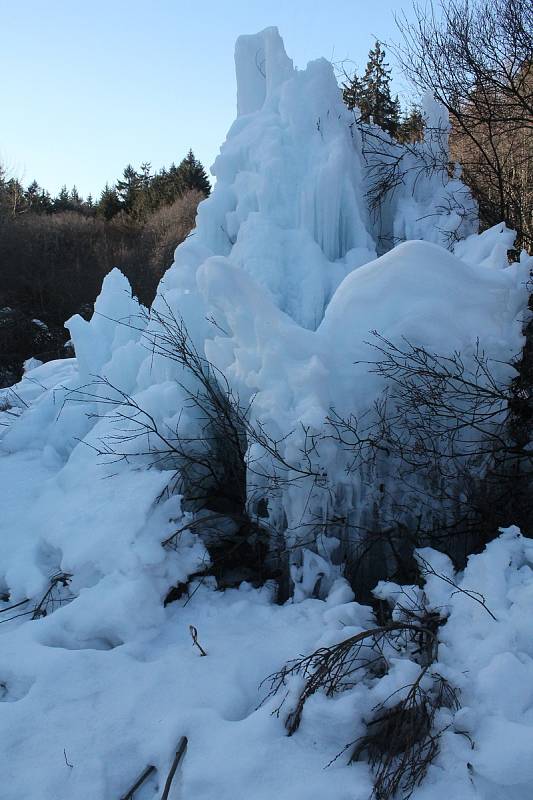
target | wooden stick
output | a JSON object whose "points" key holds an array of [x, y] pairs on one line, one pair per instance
{"points": [[194, 634], [140, 780], [182, 746]]}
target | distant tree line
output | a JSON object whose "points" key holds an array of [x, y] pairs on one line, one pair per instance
{"points": [[137, 193], [55, 251]]}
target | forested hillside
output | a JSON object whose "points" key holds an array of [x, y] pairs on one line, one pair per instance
{"points": [[55, 252]]}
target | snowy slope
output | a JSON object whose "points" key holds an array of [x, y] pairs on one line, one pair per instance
{"points": [[279, 287]]}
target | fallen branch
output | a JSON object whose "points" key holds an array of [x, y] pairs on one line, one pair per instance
{"points": [[140, 780], [182, 746], [333, 669]]}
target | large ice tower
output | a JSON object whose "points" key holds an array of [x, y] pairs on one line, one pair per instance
{"points": [[288, 206]]}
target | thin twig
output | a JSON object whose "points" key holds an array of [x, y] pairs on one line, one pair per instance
{"points": [[194, 634], [15, 605], [428, 569]]}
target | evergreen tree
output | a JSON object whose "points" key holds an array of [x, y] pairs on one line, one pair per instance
{"points": [[128, 188], [76, 200], [45, 202], [62, 201], [395, 116], [145, 199], [109, 204], [173, 183], [160, 187], [191, 175], [371, 93], [145, 175], [411, 128], [37, 199], [32, 196], [88, 207], [352, 92]]}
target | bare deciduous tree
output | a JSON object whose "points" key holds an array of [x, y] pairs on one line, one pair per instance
{"points": [[476, 58]]}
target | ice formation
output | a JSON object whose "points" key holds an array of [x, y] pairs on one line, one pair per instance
{"points": [[279, 287]]}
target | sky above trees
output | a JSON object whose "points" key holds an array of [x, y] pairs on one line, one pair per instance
{"points": [[92, 86]]}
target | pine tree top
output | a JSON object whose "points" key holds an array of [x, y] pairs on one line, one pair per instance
{"points": [[371, 94]]}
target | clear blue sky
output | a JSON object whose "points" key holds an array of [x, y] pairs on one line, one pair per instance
{"points": [[89, 86]]}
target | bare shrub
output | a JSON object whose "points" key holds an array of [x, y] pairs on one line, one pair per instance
{"points": [[402, 741], [442, 429], [167, 227], [445, 427], [54, 264], [208, 460], [402, 738], [56, 595]]}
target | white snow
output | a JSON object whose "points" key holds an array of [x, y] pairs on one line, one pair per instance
{"points": [[283, 261]]}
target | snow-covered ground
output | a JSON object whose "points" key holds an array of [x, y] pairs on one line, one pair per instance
{"points": [[110, 681], [279, 287]]}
